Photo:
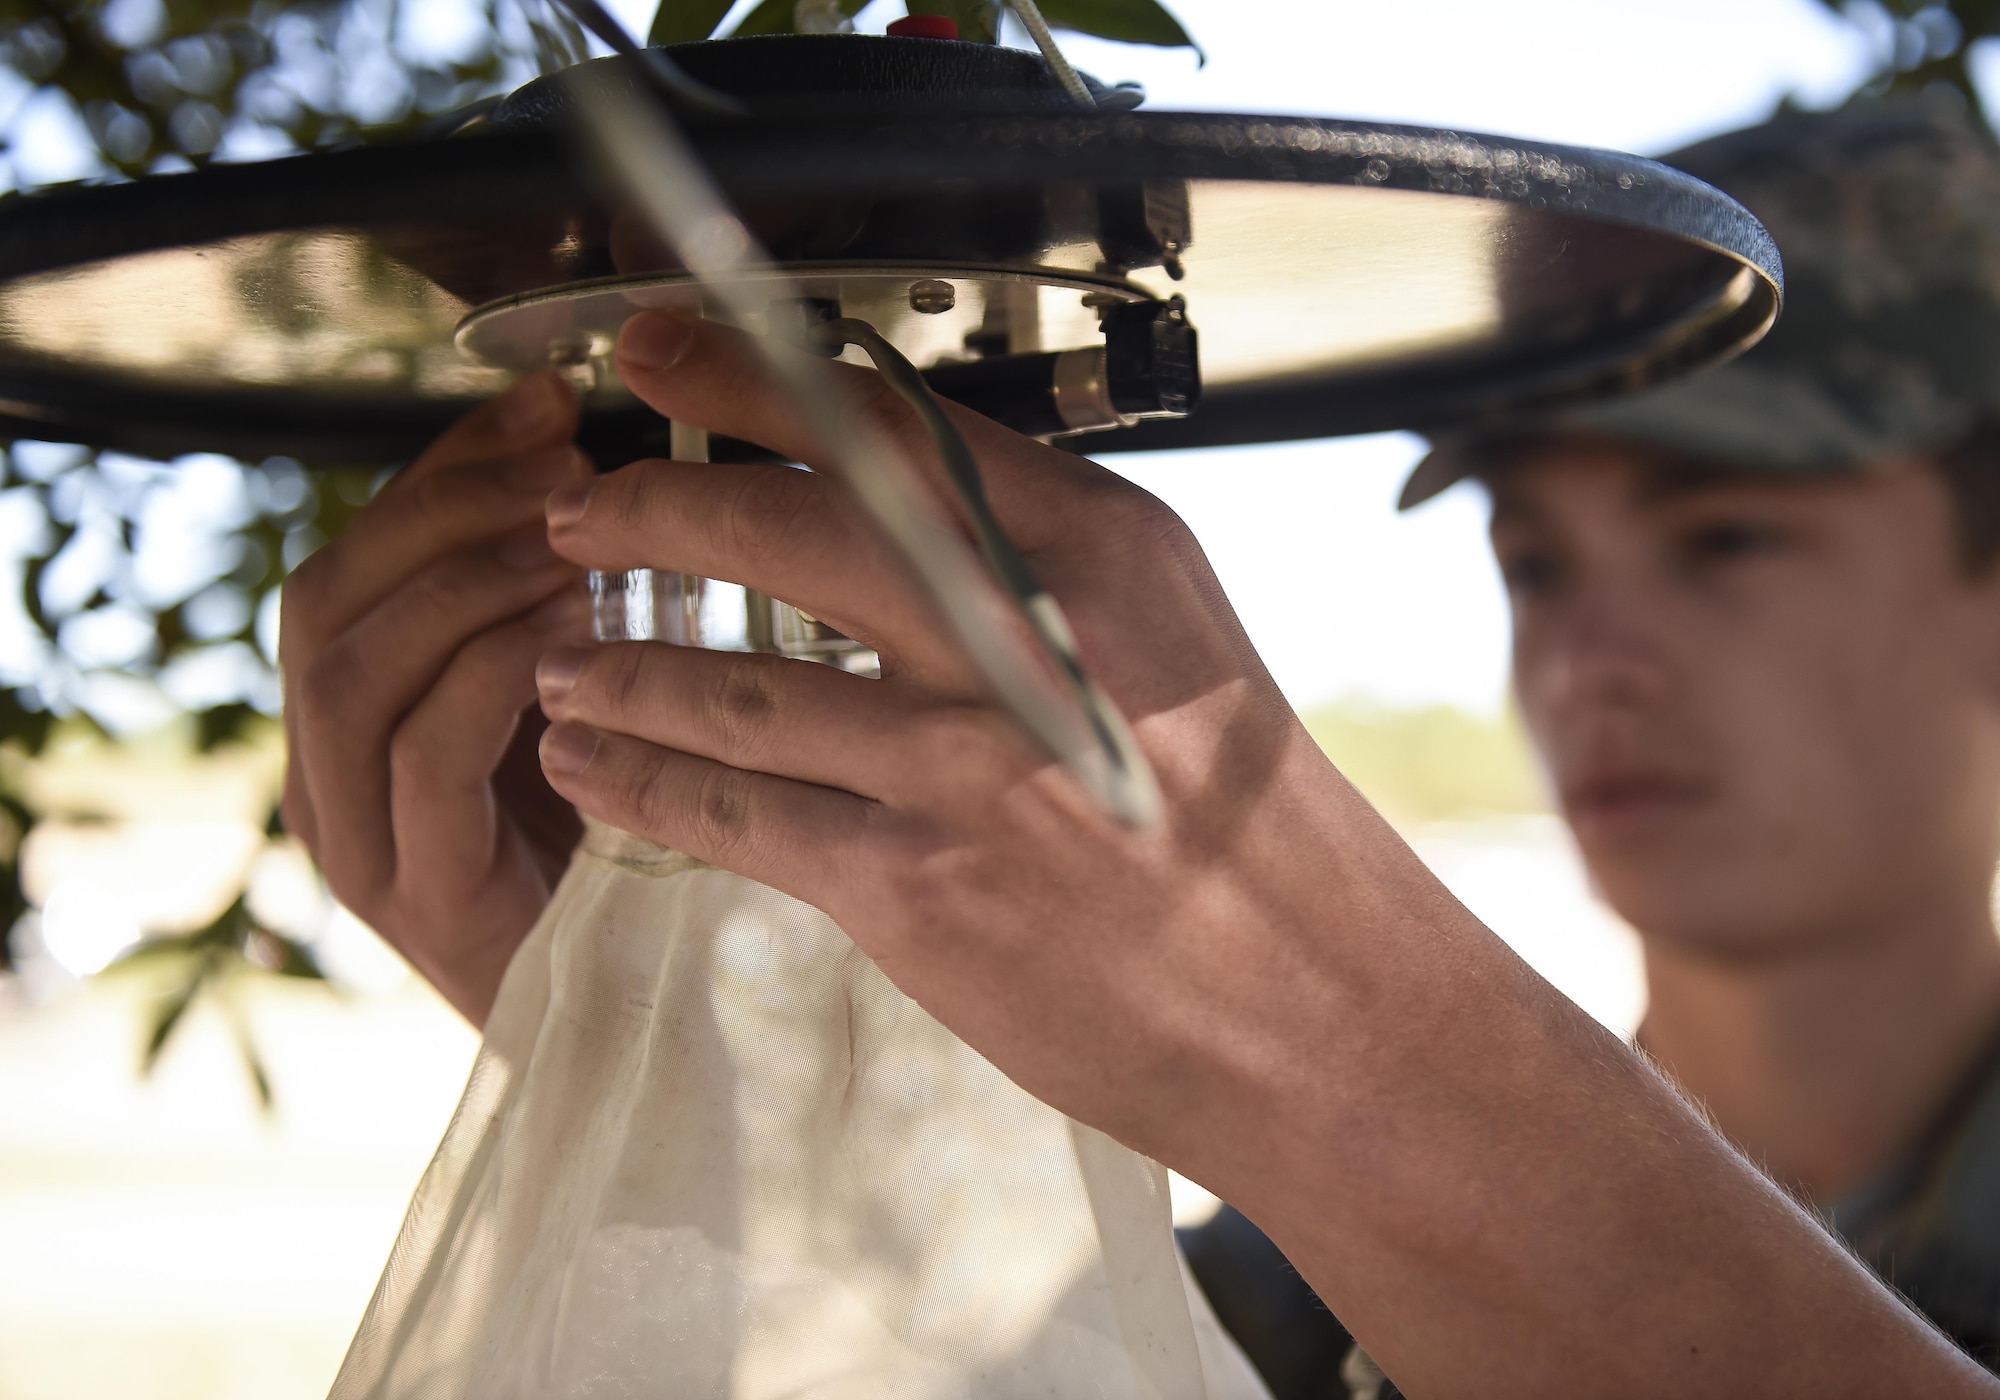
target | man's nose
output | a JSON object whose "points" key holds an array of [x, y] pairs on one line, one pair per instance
{"points": [[1603, 655]]}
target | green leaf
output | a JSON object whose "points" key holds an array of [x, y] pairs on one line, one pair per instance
{"points": [[168, 1013], [17, 721], [31, 577], [228, 931], [153, 952], [1126, 21], [224, 724], [227, 935], [253, 1058], [776, 17], [684, 21], [283, 957], [259, 1079], [15, 823]]}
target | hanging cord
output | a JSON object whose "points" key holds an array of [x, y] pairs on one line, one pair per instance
{"points": [[642, 147], [674, 81], [1040, 609], [1038, 30]]}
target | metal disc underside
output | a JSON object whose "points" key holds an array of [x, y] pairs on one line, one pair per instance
{"points": [[1343, 277]]}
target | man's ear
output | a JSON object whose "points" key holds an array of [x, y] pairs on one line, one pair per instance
{"points": [[1984, 636], [1970, 475]]}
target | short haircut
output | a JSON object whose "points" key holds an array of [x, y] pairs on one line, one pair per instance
{"points": [[1971, 470]]}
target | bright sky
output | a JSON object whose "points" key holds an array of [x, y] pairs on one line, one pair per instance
{"points": [[1341, 594]]}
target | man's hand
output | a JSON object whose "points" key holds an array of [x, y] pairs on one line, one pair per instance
{"points": [[1268, 992], [959, 856], [408, 647]]}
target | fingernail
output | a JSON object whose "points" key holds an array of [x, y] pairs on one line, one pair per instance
{"points": [[556, 673], [530, 404], [654, 341], [568, 748], [567, 505], [527, 552]]}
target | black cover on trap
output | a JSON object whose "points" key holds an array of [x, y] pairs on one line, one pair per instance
{"points": [[1344, 276]]}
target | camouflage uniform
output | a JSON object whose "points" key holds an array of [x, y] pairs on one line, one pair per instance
{"points": [[1931, 1225], [1887, 215]]}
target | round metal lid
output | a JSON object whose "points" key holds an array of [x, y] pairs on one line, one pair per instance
{"points": [[1343, 277]]}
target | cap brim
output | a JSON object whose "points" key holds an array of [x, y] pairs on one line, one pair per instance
{"points": [[1737, 415]]}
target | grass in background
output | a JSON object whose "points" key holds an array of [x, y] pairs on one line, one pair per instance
{"points": [[1437, 763]]}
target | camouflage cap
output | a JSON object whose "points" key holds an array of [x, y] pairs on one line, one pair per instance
{"points": [[1887, 214]]}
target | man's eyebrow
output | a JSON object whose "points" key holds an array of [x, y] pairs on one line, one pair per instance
{"points": [[1669, 482]]}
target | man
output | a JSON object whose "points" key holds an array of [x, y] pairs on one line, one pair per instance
{"points": [[1267, 991], [1756, 618]]}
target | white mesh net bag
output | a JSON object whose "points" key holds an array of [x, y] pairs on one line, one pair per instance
{"points": [[708, 1150]]}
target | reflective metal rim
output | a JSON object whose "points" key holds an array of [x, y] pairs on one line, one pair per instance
{"points": [[466, 179]]}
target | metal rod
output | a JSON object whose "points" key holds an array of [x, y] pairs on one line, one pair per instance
{"points": [[651, 159], [1127, 762], [1038, 30], [671, 77], [603, 24]]}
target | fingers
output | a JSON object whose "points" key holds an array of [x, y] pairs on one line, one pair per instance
{"points": [[719, 378], [487, 474], [791, 534], [353, 695], [791, 719], [807, 841], [466, 882], [412, 523], [443, 756], [709, 374], [535, 411]]}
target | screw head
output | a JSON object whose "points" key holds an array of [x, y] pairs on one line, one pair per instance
{"points": [[932, 296], [576, 359]]}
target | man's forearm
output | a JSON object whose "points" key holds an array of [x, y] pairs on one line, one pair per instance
{"points": [[1498, 1197], [1267, 990]]}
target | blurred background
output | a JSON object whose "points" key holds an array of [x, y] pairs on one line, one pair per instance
{"points": [[216, 1087]]}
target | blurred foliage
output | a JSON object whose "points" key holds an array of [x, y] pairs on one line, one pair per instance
{"points": [[161, 84], [147, 592], [1129, 21], [13, 829], [1924, 46], [141, 591], [1431, 764], [212, 962]]}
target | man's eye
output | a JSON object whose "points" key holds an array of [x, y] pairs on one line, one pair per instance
{"points": [[1727, 541]]}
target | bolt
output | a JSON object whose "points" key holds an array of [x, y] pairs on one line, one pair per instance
{"points": [[932, 297], [574, 360]]}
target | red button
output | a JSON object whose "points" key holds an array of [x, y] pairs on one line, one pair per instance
{"points": [[925, 27]]}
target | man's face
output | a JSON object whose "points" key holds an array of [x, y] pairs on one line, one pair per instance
{"points": [[1768, 707]]}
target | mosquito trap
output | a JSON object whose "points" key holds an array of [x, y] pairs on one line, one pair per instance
{"points": [[708, 1149]]}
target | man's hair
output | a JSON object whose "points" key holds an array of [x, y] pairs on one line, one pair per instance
{"points": [[1971, 471]]}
